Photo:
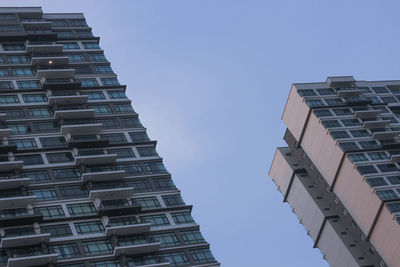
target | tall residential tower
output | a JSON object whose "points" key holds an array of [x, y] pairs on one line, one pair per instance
{"points": [[341, 170], [81, 183]]}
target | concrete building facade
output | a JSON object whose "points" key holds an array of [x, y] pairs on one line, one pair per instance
{"points": [[340, 172], [81, 183]]}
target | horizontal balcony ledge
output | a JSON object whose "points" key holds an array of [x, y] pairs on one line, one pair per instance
{"points": [[36, 25], [14, 183], [360, 114], [103, 176], [21, 220], [24, 240], [32, 260], [17, 202], [96, 159], [376, 124], [5, 133], [50, 48], [385, 135], [92, 128], [50, 61], [108, 194], [55, 73], [137, 249], [128, 229], [11, 165], [62, 100], [74, 114]]}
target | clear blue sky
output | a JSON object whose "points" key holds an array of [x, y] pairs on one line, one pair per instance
{"points": [[210, 79]]}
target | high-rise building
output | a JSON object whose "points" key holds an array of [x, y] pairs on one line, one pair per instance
{"points": [[341, 170], [81, 183]]}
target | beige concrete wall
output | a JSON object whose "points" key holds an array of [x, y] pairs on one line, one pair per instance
{"points": [[280, 171], [295, 113]]}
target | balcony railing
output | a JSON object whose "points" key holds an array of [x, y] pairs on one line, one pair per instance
{"points": [[20, 220], [137, 249], [65, 100], [13, 183], [128, 229], [95, 159], [24, 240], [103, 176], [6, 166], [44, 48], [16, 202], [37, 260], [111, 194], [93, 128], [55, 73], [74, 114]]}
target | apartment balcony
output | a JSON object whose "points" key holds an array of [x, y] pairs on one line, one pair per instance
{"points": [[55, 74], [103, 176], [118, 206], [111, 194], [17, 202], [7, 166], [95, 159], [376, 124], [128, 229], [14, 183], [21, 220], [362, 114], [2, 116], [385, 135], [61, 84], [350, 93], [90, 142], [5, 133], [28, 261], [4, 149], [66, 100], [49, 60], [92, 128], [74, 114], [48, 48], [24, 240], [36, 25], [360, 101], [395, 158], [137, 249]]}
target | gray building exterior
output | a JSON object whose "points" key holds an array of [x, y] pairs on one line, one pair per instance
{"points": [[340, 172], [81, 182]]}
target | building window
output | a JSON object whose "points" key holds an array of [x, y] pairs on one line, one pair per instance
{"points": [[14, 113], [139, 136], [14, 47], [53, 142], [108, 123], [78, 23], [98, 247], [3, 73], [192, 237], [18, 59], [326, 91], [80, 70], [37, 177], [390, 167], [367, 169], [59, 23], [17, 129], [70, 46], [101, 109], [44, 194], [124, 108], [39, 112], [155, 167], [323, 113], [23, 72], [88, 82], [348, 146], [155, 220], [57, 230], [110, 263], [182, 217], [357, 157], [166, 239], [173, 200], [91, 45], [76, 58], [29, 85], [147, 151], [110, 81], [123, 221], [122, 153], [24, 143], [164, 183], [117, 94], [81, 209], [202, 255], [74, 191], [66, 174], [103, 69], [83, 34], [6, 85], [370, 144], [64, 35], [147, 203], [339, 134], [34, 159], [393, 207], [378, 155], [65, 250], [378, 181], [131, 169], [115, 138], [50, 212], [386, 194], [131, 122], [176, 258], [306, 92], [13, 213], [46, 127], [97, 58], [315, 103], [96, 95], [360, 133], [139, 185], [9, 99], [85, 228], [63, 157], [6, 17], [331, 124]]}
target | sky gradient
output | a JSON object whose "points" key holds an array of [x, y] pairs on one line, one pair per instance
{"points": [[210, 80]]}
